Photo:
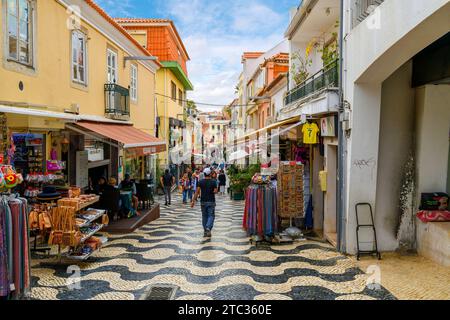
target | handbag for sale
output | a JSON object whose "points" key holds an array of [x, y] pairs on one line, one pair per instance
{"points": [[105, 220], [33, 220], [56, 238], [434, 201]]}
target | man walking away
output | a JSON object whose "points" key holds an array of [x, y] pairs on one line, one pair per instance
{"points": [[167, 181], [222, 182], [207, 188]]}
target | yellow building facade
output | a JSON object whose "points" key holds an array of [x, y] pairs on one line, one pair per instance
{"points": [[56, 61], [161, 38]]}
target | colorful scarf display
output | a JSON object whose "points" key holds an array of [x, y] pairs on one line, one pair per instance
{"points": [[260, 214], [15, 277]]}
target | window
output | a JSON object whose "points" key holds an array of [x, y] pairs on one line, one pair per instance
{"points": [[213, 127], [79, 57], [134, 83], [112, 66], [261, 79], [180, 97], [174, 91], [19, 21]]}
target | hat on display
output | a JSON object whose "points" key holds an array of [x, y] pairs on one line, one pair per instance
{"points": [[207, 171], [49, 193]]}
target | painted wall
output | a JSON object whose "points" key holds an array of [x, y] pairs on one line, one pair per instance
{"points": [[396, 142], [51, 85], [167, 107]]}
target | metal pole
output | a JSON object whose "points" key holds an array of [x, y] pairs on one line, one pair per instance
{"points": [[341, 154]]}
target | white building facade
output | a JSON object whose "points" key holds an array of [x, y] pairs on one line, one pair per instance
{"points": [[397, 106]]}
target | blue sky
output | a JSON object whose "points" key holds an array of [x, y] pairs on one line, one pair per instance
{"points": [[215, 33]]}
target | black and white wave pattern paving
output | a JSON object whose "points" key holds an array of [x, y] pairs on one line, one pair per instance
{"points": [[173, 251]]}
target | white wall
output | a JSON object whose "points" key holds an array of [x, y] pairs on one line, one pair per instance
{"points": [[377, 47], [433, 127], [362, 164], [396, 142], [278, 97], [371, 56]]}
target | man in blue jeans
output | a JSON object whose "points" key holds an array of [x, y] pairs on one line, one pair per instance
{"points": [[207, 188]]}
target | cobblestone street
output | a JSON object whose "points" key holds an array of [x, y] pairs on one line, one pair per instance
{"points": [[172, 251]]}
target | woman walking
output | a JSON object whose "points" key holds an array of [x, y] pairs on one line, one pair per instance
{"points": [[186, 187]]}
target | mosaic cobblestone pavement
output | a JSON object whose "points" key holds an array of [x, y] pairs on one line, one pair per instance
{"points": [[172, 251]]}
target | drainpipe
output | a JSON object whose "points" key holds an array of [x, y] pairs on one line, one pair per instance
{"points": [[341, 246]]}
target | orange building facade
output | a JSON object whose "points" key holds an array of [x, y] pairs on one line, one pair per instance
{"points": [[160, 37], [265, 77]]}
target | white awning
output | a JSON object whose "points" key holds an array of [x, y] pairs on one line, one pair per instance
{"points": [[39, 113]]}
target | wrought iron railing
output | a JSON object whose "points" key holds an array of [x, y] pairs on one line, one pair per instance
{"points": [[117, 100], [361, 9], [328, 77]]}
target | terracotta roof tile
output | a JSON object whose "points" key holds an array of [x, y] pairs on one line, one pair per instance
{"points": [[152, 20]]}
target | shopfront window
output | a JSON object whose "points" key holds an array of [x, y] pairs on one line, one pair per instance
{"points": [[29, 155]]}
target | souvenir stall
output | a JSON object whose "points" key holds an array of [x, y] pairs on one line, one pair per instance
{"points": [[261, 210], [27, 153], [305, 148], [15, 277], [70, 223]]}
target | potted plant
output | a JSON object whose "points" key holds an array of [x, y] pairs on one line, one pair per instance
{"points": [[241, 179]]}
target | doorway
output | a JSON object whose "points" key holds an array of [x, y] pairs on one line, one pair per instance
{"points": [[330, 211]]}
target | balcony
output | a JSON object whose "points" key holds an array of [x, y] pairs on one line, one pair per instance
{"points": [[361, 9], [117, 101], [328, 77]]}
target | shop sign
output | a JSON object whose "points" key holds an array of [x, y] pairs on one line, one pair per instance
{"points": [[328, 126], [95, 154], [148, 151]]}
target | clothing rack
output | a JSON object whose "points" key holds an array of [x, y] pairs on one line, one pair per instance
{"points": [[261, 211], [15, 274]]}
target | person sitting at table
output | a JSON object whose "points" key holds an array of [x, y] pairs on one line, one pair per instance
{"points": [[101, 183], [128, 185]]}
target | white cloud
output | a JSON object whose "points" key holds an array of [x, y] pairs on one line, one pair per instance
{"points": [[216, 64], [216, 33]]}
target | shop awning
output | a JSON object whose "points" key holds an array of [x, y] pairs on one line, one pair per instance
{"points": [[270, 127], [127, 136]]}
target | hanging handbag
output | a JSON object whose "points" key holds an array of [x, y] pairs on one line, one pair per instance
{"points": [[56, 238], [33, 220], [105, 220]]}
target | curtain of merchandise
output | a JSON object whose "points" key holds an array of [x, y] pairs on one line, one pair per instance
{"points": [[15, 276]]}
